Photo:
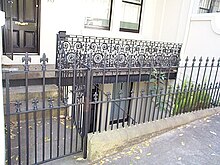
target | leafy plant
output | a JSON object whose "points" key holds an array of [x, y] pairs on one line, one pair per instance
{"points": [[190, 98], [185, 98]]}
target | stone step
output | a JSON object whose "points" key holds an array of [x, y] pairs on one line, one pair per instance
{"points": [[35, 71]]}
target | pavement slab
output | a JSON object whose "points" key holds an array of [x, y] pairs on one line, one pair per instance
{"points": [[197, 143]]}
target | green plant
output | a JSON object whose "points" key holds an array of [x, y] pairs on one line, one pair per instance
{"points": [[190, 97], [185, 98]]}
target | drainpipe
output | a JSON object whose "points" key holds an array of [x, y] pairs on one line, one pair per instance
{"points": [[2, 123]]}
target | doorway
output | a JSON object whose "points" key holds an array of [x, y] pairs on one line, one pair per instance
{"points": [[21, 30]]}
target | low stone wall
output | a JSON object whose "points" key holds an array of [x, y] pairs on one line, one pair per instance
{"points": [[109, 142]]}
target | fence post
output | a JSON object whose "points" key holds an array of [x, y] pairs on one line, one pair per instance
{"points": [[86, 109], [2, 123]]}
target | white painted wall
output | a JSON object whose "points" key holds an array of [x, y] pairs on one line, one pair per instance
{"points": [[203, 38], [2, 124], [171, 20], [162, 20]]}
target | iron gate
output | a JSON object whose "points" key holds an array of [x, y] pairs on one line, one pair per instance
{"points": [[42, 122]]}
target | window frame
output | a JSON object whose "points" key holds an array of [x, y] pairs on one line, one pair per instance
{"points": [[102, 27], [208, 9], [140, 14]]}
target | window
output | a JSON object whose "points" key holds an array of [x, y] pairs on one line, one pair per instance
{"points": [[120, 109], [131, 16], [98, 14], [209, 6]]}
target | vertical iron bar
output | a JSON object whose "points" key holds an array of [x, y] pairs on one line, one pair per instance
{"points": [[156, 94], [94, 112], [51, 126], [35, 137], [165, 92], [43, 60], [150, 106], [168, 100], [128, 87], [218, 96], [195, 87], [58, 109], [148, 96], [183, 100], [203, 79], [8, 118], [131, 106], [86, 113], [141, 105], [19, 139], [101, 104], [107, 111], [73, 108], [210, 74], [119, 107], [160, 96], [182, 86], [26, 59], [65, 116], [177, 94], [214, 94], [137, 93], [172, 107], [214, 83], [187, 105]]}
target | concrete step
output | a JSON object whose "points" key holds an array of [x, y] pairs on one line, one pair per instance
{"points": [[35, 71]]}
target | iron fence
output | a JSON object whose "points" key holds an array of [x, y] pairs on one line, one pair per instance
{"points": [[96, 90], [152, 93]]}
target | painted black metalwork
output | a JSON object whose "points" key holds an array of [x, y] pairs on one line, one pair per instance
{"points": [[112, 52], [95, 95]]}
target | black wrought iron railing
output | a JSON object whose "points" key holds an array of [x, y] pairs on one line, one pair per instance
{"points": [[99, 52], [95, 94]]}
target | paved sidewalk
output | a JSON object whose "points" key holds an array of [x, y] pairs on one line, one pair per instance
{"points": [[197, 143]]}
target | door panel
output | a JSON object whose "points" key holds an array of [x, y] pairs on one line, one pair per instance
{"points": [[29, 11], [29, 39], [21, 32], [16, 43], [15, 11]]}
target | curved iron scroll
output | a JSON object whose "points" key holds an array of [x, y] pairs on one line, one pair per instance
{"points": [[96, 52]]}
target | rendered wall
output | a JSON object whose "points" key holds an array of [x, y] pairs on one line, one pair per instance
{"points": [[162, 20]]}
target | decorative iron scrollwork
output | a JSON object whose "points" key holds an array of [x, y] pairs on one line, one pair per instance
{"points": [[113, 52]]}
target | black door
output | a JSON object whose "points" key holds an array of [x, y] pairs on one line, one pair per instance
{"points": [[21, 32]]}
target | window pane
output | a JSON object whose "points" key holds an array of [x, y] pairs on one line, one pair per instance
{"points": [[130, 17], [97, 14]]}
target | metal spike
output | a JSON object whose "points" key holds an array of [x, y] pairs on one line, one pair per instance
{"points": [[26, 59], [194, 59], [207, 60], [65, 101], [108, 95], [120, 93], [200, 59], [95, 97], [34, 103], [18, 106], [43, 59], [50, 101], [132, 93], [142, 92]]}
